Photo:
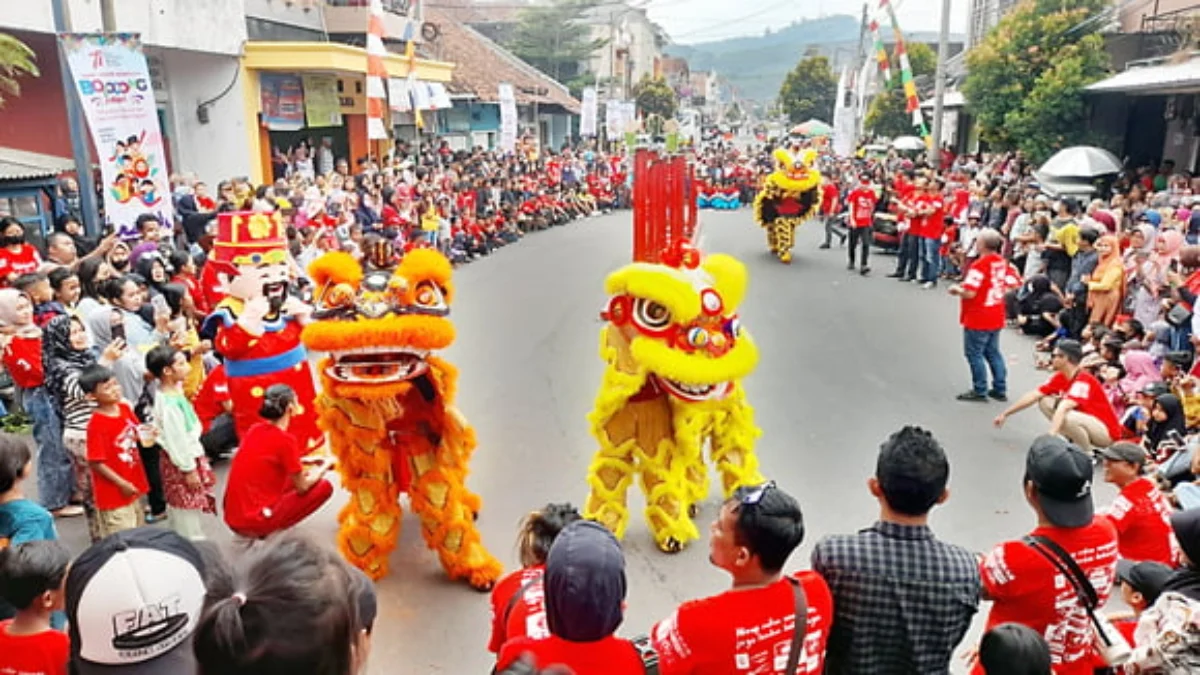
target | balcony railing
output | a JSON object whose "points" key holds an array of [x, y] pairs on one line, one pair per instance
{"points": [[1176, 19]]}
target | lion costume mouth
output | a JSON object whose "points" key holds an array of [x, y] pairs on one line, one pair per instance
{"points": [[377, 366], [695, 392]]}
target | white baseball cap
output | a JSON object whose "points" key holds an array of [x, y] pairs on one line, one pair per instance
{"points": [[133, 600]]}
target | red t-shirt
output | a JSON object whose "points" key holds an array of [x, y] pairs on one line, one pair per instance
{"points": [[829, 195], [113, 441], [745, 631], [44, 653], [23, 360], [212, 394], [990, 277], [260, 474], [935, 223], [1027, 589], [525, 618], [1141, 516], [23, 261], [1089, 397], [610, 656], [862, 206]]}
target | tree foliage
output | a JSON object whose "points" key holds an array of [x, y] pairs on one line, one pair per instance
{"points": [[655, 97], [887, 114], [553, 38], [16, 60], [809, 90], [1025, 80]]}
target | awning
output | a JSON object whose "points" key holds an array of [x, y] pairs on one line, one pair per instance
{"points": [[22, 165], [1166, 78]]}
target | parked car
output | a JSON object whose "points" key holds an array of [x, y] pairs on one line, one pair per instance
{"points": [[887, 232]]}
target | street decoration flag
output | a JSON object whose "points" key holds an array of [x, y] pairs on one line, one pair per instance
{"points": [[912, 104], [377, 108], [885, 65]]}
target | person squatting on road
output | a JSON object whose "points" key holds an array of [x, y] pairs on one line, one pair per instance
{"points": [[982, 317], [1073, 400]]}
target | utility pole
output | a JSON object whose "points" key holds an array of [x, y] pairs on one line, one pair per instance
{"points": [[77, 128], [935, 152], [858, 72]]}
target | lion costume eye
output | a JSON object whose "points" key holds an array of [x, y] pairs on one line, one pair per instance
{"points": [[650, 315], [429, 296]]}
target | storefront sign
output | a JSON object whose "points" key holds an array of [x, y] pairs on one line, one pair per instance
{"points": [[115, 90], [321, 105], [282, 101], [587, 120]]}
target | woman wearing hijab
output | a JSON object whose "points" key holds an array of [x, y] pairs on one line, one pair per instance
{"points": [[1037, 306], [1152, 276], [1141, 247], [1106, 285], [66, 354], [1165, 417]]}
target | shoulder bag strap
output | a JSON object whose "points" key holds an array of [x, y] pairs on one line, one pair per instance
{"points": [[1067, 565], [800, 629], [516, 597]]}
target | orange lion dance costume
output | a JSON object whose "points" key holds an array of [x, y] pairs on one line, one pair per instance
{"points": [[388, 407]]}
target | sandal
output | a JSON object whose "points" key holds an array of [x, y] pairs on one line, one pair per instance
{"points": [[68, 511]]}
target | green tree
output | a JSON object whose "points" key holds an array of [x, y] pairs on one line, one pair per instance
{"points": [[16, 60], [809, 90], [553, 38], [1026, 79], [888, 114], [655, 97]]}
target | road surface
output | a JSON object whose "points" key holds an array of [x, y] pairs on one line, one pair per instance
{"points": [[845, 361]]}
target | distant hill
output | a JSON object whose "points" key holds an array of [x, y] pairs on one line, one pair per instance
{"points": [[756, 65]]}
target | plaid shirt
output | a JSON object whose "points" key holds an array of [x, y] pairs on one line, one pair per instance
{"points": [[902, 599]]}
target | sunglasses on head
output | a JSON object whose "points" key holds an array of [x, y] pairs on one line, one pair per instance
{"points": [[751, 495]]}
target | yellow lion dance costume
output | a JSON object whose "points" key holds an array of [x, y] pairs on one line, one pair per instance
{"points": [[675, 353], [789, 196], [388, 407]]}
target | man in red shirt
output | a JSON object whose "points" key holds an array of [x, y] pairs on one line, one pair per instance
{"points": [[1025, 586], [1140, 513], [982, 316], [829, 198], [861, 204], [1073, 400], [751, 627], [933, 210]]}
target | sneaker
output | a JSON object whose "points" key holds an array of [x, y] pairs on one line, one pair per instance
{"points": [[998, 396], [865, 271], [152, 518], [900, 277], [894, 275], [850, 266], [824, 246], [68, 511], [971, 396], [929, 284]]}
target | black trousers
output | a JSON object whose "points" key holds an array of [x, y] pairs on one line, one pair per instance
{"points": [[221, 437], [861, 237], [150, 462]]}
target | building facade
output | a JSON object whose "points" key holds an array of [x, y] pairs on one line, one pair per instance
{"points": [[983, 16], [633, 47]]}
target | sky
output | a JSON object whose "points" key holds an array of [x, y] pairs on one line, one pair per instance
{"points": [[690, 21]]}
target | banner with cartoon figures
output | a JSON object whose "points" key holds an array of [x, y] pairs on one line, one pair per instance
{"points": [[113, 82]]}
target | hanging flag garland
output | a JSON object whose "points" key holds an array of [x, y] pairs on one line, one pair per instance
{"points": [[885, 65], [912, 103]]}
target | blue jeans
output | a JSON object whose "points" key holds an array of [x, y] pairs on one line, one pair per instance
{"points": [[930, 259], [55, 473], [910, 254], [982, 349]]}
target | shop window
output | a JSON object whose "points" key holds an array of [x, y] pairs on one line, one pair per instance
{"points": [[25, 207]]}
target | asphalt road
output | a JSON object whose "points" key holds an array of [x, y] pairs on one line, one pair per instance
{"points": [[845, 361]]}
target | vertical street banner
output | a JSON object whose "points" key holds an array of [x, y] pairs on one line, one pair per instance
{"points": [[113, 83], [587, 118], [508, 117], [281, 99], [321, 105], [843, 116]]}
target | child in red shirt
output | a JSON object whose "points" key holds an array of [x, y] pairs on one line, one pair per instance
{"points": [[32, 575], [113, 434]]}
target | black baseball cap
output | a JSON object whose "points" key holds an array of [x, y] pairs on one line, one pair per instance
{"points": [[1155, 389], [1125, 451], [1062, 477], [1147, 578]]}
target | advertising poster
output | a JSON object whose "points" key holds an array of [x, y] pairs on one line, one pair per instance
{"points": [[587, 120], [508, 117], [282, 101], [113, 82], [321, 105]]}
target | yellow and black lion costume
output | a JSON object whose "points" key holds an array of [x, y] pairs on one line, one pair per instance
{"points": [[789, 196], [388, 407]]}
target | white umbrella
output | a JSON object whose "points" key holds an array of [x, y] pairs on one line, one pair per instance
{"points": [[1064, 187], [1081, 161], [908, 143]]}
